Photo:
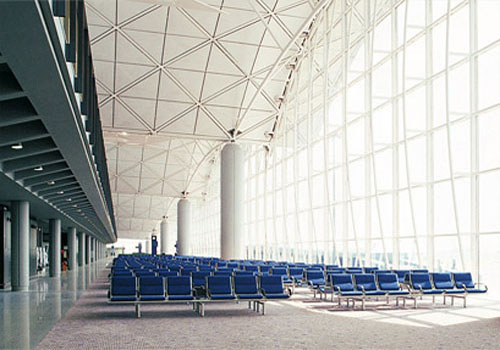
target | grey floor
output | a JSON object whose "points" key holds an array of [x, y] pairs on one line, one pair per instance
{"points": [[27, 317]]}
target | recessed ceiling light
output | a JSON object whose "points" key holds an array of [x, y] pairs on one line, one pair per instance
{"points": [[78, 210], [68, 199], [17, 146], [39, 168], [60, 192], [124, 133], [50, 183]]}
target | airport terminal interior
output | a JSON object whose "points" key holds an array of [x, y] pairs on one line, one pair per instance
{"points": [[249, 174]]}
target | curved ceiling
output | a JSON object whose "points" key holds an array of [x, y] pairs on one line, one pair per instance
{"points": [[176, 82]]}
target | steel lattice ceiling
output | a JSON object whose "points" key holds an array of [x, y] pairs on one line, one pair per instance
{"points": [[175, 83]]}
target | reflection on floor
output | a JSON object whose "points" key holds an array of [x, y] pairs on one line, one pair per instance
{"points": [[26, 317]]}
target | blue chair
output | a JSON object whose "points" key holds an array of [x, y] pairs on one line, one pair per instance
{"points": [[403, 275], [245, 287], [315, 279], [179, 288], [244, 273], [421, 283], [167, 273], [272, 287], [123, 289], [223, 273], [365, 282], [125, 273], [463, 280], [389, 284], [370, 269], [151, 288], [199, 278], [296, 274], [442, 280], [343, 287], [220, 288], [281, 271]]}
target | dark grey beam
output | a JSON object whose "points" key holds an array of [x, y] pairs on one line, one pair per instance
{"points": [[49, 177], [49, 169], [32, 161], [64, 195], [12, 95], [16, 110], [74, 200], [13, 134], [59, 183], [59, 187], [30, 148]]}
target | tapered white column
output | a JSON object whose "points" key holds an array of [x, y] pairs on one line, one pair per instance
{"points": [[72, 248], [231, 195], [20, 261], [148, 246], [183, 227], [55, 248], [164, 235]]}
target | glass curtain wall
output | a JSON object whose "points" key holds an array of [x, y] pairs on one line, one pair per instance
{"points": [[388, 148]]}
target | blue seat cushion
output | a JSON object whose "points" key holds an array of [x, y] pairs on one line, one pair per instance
{"points": [[397, 292], [374, 292], [476, 290], [454, 291], [277, 296], [433, 291], [152, 297], [123, 298], [180, 297], [350, 293], [222, 297], [250, 296]]}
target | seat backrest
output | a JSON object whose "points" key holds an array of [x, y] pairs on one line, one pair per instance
{"points": [[388, 281], [167, 273], [143, 273], [420, 271], [123, 285], [296, 272], [272, 284], [151, 285], [420, 280], [223, 273], [365, 280], [219, 285], [252, 268], [314, 274], [463, 278], [279, 271], [199, 278], [264, 268], [382, 271], [342, 281], [370, 269], [179, 285], [245, 284], [442, 280], [244, 273]]}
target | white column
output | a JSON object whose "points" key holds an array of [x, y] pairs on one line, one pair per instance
{"points": [[148, 246], [183, 226], [164, 235], [55, 248], [231, 195], [20, 245], [72, 248]]}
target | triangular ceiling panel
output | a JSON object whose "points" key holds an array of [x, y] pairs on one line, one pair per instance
{"points": [[152, 22], [150, 42], [169, 110], [127, 73]]}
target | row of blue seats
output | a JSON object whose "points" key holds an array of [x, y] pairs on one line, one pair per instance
{"points": [[363, 286], [147, 289]]}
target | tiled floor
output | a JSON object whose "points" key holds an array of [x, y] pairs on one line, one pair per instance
{"points": [[26, 317]]}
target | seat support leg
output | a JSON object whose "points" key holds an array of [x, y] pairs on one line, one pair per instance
{"points": [[138, 310]]}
